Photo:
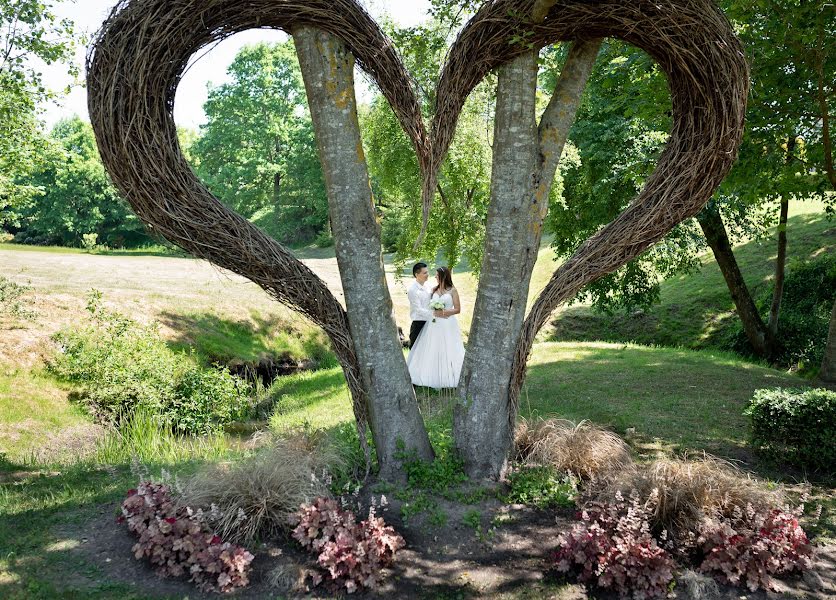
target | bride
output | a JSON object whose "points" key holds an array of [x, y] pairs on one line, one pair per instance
{"points": [[436, 358]]}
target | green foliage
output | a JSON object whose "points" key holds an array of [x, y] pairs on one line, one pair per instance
{"points": [[542, 487], [76, 198], [13, 300], [798, 425], [28, 30], [456, 226], [809, 289], [120, 365], [257, 151], [619, 133], [783, 151]]}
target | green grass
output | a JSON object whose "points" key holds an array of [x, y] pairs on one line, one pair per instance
{"points": [[33, 410], [220, 339], [696, 311], [677, 399]]}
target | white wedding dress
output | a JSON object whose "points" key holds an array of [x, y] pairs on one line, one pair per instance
{"points": [[436, 358]]}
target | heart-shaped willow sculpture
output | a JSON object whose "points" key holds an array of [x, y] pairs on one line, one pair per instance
{"points": [[143, 48]]}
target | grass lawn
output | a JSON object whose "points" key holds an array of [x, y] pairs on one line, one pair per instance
{"points": [[696, 310], [674, 400]]}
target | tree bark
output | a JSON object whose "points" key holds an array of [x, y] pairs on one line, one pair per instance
{"points": [[328, 72], [480, 426], [718, 240], [780, 268], [828, 363], [525, 158]]}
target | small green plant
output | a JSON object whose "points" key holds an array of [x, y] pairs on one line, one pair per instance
{"points": [[542, 487], [14, 300], [796, 425], [473, 519], [89, 241]]}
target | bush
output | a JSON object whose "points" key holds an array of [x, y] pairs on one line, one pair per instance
{"points": [[176, 541], [796, 425], [584, 450], [120, 364], [809, 289], [752, 546], [257, 496], [542, 487], [13, 300], [353, 555], [612, 547]]}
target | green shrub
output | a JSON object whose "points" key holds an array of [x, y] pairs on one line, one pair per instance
{"points": [[542, 487], [13, 300], [120, 365], [809, 289], [797, 425]]}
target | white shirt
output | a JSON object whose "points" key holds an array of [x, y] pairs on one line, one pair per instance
{"points": [[419, 302]]}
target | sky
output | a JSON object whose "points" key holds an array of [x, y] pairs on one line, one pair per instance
{"points": [[208, 68]]}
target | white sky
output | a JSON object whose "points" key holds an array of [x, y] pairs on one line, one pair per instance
{"points": [[88, 15]]}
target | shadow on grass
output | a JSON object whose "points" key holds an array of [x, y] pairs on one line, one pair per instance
{"points": [[248, 339], [663, 399]]}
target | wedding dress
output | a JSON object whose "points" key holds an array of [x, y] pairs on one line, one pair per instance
{"points": [[436, 358]]}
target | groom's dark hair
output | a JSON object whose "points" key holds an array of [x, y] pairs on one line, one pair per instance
{"points": [[417, 267]]}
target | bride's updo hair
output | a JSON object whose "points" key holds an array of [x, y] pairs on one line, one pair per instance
{"points": [[446, 276]]}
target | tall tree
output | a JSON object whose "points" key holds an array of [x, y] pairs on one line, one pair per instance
{"points": [[519, 203], [457, 227], [75, 195], [29, 32], [256, 151], [328, 70]]}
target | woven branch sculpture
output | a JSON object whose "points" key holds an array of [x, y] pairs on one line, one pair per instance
{"points": [[143, 48]]}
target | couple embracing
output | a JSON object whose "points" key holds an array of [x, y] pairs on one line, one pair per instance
{"points": [[436, 352]]}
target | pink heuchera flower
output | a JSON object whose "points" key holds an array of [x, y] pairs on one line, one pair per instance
{"points": [[176, 543], [352, 555]]}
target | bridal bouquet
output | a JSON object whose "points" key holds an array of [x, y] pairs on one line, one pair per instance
{"points": [[437, 305]]}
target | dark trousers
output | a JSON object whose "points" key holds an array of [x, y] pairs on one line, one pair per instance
{"points": [[414, 330]]}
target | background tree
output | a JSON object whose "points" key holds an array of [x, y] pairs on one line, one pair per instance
{"points": [[30, 33], [622, 127], [75, 196], [457, 226], [256, 151]]}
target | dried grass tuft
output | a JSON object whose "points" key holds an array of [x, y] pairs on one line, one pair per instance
{"points": [[254, 497], [689, 489], [585, 450]]}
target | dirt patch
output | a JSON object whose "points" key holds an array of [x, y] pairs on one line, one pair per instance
{"points": [[504, 558]]}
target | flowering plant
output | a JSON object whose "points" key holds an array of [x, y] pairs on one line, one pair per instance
{"points": [[176, 541], [352, 554], [751, 547], [612, 547]]}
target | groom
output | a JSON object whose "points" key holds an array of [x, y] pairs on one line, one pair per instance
{"points": [[419, 301]]}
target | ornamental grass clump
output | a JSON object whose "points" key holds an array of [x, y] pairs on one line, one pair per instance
{"points": [[255, 497], [584, 450], [687, 490], [177, 541], [351, 554]]}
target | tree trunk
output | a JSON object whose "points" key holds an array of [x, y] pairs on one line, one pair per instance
{"points": [[328, 71], [828, 363], [718, 240], [512, 235], [780, 268], [524, 162]]}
